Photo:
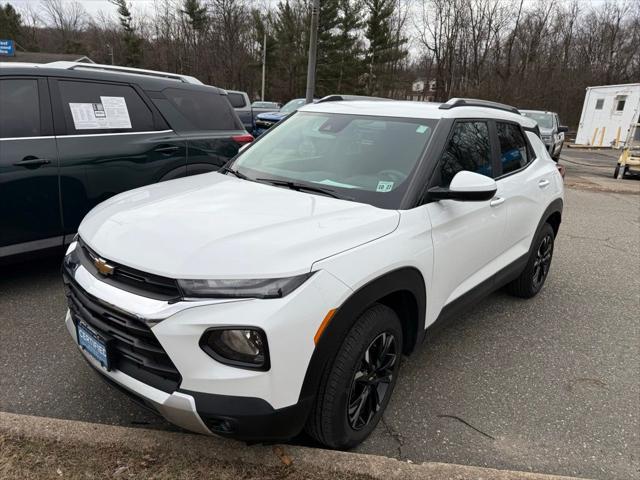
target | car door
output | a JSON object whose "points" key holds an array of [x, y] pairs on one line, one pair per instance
{"points": [[526, 183], [110, 139], [467, 235], [29, 202]]}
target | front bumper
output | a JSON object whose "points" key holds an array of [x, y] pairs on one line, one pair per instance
{"points": [[212, 397]]}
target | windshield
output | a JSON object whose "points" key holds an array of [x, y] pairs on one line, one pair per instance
{"points": [[362, 158], [545, 120], [265, 105], [292, 105]]}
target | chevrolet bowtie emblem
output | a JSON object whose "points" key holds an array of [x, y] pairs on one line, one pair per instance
{"points": [[103, 267]]}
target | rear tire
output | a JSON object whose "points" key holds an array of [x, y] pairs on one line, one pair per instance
{"points": [[356, 387], [532, 278]]}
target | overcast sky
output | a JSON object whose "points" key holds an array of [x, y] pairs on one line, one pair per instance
{"points": [[91, 6], [140, 6]]}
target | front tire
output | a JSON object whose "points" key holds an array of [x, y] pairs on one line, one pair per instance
{"points": [[356, 387], [532, 278]]}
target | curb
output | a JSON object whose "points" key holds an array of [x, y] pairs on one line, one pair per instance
{"points": [[192, 455]]}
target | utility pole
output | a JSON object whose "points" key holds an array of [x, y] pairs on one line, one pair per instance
{"points": [[313, 47], [110, 48], [264, 63]]}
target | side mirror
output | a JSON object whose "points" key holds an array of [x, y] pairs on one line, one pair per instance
{"points": [[467, 187], [244, 147], [563, 129]]}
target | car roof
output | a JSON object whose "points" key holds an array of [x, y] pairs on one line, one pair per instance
{"points": [[147, 79], [410, 109], [538, 111]]}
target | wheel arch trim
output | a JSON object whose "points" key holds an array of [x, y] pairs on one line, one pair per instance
{"points": [[403, 283]]}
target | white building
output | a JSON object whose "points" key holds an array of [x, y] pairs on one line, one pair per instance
{"points": [[422, 90], [607, 113]]}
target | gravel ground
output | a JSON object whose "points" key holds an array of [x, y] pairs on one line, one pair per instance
{"points": [[547, 385]]}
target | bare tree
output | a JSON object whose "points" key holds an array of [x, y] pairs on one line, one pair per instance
{"points": [[68, 18]]}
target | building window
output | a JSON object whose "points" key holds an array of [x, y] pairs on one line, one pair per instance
{"points": [[599, 103], [620, 101]]}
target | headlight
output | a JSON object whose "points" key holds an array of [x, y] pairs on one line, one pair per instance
{"points": [[71, 261], [258, 288], [238, 347]]}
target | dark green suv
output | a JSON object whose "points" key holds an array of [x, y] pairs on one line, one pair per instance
{"points": [[74, 134]]}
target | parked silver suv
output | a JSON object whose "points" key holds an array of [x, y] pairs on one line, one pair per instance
{"points": [[551, 131]]}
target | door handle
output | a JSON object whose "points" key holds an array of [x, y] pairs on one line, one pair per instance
{"points": [[496, 201], [543, 183], [31, 161], [167, 149]]}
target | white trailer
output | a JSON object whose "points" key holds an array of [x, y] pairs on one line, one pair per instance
{"points": [[607, 114]]}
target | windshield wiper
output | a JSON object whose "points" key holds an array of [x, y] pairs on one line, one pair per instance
{"points": [[302, 186], [227, 169]]}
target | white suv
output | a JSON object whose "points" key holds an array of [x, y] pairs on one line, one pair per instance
{"points": [[281, 292]]}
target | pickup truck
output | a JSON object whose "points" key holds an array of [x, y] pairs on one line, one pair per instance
{"points": [[248, 111], [264, 121]]}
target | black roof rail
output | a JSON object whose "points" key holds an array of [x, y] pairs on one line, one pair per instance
{"points": [[338, 97], [472, 102]]}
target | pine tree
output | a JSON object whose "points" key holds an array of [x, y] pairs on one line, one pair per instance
{"points": [[196, 14], [291, 26], [10, 23], [349, 46], [133, 43], [328, 56], [385, 47], [195, 22]]}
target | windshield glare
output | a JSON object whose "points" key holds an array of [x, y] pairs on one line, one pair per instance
{"points": [[363, 157], [292, 105], [545, 120]]}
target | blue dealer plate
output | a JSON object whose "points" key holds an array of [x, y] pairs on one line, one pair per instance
{"points": [[93, 344]]}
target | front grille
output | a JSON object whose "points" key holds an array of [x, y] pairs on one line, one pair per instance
{"points": [[132, 346], [130, 279]]}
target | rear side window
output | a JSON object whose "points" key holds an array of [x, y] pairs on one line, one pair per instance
{"points": [[468, 149], [513, 147], [93, 107], [19, 108], [204, 110], [236, 100]]}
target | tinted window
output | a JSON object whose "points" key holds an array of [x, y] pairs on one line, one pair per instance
{"points": [[236, 100], [513, 147], [599, 103], [91, 107], [620, 102], [468, 149], [19, 108], [204, 110]]}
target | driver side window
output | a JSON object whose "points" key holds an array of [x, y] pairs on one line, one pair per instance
{"points": [[469, 149]]}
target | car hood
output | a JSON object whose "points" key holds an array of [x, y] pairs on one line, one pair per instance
{"points": [[271, 116], [547, 132], [218, 226]]}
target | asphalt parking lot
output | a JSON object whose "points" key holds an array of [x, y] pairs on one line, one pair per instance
{"points": [[549, 385]]}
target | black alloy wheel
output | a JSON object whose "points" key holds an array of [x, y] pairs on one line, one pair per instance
{"points": [[372, 379], [542, 261], [358, 381]]}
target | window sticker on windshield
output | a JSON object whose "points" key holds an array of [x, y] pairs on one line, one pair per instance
{"points": [[384, 186], [421, 129], [110, 113]]}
